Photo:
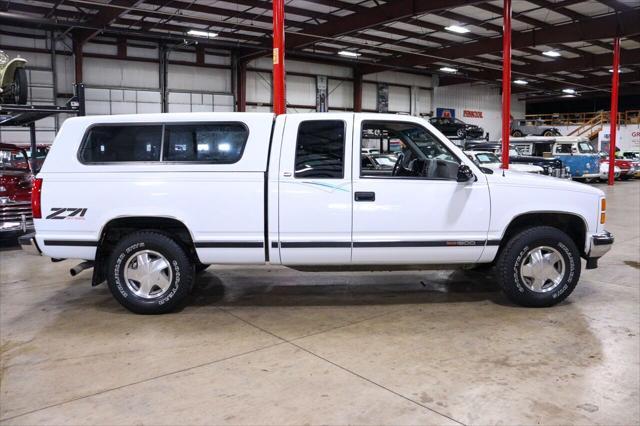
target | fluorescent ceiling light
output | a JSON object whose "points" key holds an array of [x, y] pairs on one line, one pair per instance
{"points": [[349, 53], [457, 29], [619, 70], [568, 96], [199, 33], [521, 82], [552, 53], [448, 69], [569, 91]]}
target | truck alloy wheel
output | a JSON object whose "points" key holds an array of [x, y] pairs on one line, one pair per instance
{"points": [[150, 273], [542, 269], [539, 267]]}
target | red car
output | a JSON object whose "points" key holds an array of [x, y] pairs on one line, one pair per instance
{"points": [[41, 152], [16, 182], [627, 169]]}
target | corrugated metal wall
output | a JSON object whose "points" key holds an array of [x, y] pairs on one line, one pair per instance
{"points": [[301, 89]]}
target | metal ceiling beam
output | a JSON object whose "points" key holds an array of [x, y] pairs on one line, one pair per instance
{"points": [[536, 23], [616, 5], [593, 83], [570, 13], [621, 24], [105, 16], [628, 57], [388, 12]]}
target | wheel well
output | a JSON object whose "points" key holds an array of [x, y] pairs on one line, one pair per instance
{"points": [[572, 225], [116, 229]]}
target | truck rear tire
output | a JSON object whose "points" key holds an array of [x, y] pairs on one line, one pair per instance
{"points": [[149, 273], [539, 267]]}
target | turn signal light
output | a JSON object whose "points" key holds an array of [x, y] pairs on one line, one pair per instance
{"points": [[603, 211], [36, 206], [603, 218]]}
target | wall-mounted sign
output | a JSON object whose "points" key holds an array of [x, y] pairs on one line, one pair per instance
{"points": [[322, 93], [446, 112], [471, 114], [382, 98]]}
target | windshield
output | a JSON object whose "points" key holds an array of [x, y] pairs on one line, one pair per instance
{"points": [[586, 147], [564, 148], [13, 159], [486, 157]]}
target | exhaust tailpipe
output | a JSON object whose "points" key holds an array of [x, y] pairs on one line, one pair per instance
{"points": [[80, 267]]}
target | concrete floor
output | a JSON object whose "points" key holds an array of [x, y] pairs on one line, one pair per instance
{"points": [[274, 346]]}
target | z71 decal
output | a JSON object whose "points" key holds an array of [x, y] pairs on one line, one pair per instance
{"points": [[67, 213]]}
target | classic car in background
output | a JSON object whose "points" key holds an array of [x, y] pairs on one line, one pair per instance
{"points": [[629, 155], [492, 161], [456, 128], [627, 168], [550, 166], [523, 127], [16, 182], [634, 157], [576, 153], [604, 171], [13, 80]]}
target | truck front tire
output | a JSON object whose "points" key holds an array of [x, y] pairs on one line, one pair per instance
{"points": [[149, 273], [539, 267]]}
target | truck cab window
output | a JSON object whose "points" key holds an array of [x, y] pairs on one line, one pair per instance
{"points": [[320, 149], [407, 150], [121, 143]]}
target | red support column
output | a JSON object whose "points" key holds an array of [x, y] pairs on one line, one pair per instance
{"points": [[613, 119], [506, 81], [279, 96]]}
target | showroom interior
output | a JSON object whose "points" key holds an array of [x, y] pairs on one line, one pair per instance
{"points": [[544, 92]]}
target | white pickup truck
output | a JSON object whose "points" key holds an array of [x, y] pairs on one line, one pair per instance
{"points": [[149, 200]]}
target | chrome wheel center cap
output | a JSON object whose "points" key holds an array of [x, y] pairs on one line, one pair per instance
{"points": [[543, 269], [148, 274]]}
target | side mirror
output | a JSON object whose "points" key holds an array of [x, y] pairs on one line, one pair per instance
{"points": [[464, 173]]}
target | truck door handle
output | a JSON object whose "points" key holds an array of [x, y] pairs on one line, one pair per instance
{"points": [[365, 196]]}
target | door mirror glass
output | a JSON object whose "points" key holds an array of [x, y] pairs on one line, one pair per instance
{"points": [[464, 173]]}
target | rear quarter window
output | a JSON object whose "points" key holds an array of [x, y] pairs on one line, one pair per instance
{"points": [[121, 143]]}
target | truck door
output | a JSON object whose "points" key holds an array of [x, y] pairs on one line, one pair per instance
{"points": [[417, 212], [315, 189]]}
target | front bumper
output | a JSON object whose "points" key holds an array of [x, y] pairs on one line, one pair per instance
{"points": [[29, 244], [600, 245]]}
